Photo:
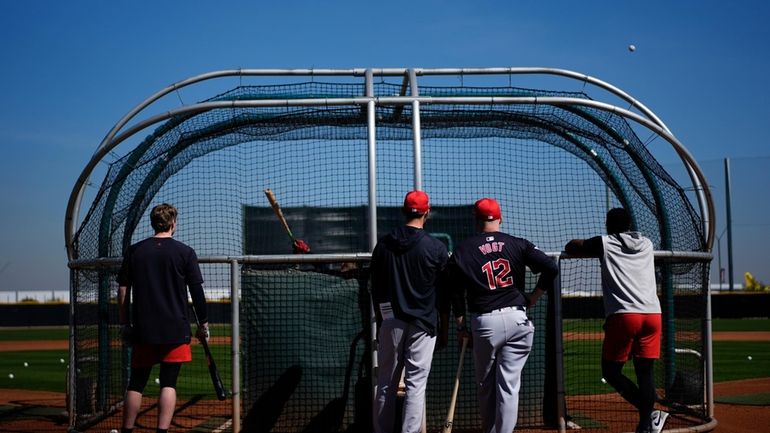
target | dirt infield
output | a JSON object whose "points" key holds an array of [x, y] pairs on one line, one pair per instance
{"points": [[17, 346], [35, 411]]}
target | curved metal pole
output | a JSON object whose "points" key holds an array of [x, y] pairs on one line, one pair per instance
{"points": [[696, 175]]}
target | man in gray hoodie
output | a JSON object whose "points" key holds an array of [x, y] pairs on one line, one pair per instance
{"points": [[632, 328], [406, 266]]}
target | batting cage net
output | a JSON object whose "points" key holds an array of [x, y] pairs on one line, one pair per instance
{"points": [[304, 346]]}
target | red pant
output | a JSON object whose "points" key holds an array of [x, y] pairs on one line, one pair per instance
{"points": [[631, 334]]}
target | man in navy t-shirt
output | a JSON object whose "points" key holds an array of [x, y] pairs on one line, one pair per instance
{"points": [[153, 283]]}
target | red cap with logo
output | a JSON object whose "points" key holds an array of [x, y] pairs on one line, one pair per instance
{"points": [[487, 209], [416, 202]]}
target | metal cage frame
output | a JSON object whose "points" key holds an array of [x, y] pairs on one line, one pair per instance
{"points": [[643, 116]]}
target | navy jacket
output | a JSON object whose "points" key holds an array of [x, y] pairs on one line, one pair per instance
{"points": [[407, 265]]}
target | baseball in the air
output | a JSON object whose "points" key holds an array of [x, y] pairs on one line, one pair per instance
{"points": [[749, 357], [157, 380], [632, 48], [10, 375], [26, 364], [61, 360], [113, 431], [604, 380]]}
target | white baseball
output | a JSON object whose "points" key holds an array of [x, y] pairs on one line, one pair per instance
{"points": [[10, 375], [749, 357], [157, 380], [113, 431], [604, 380], [26, 364], [61, 360], [632, 48]]}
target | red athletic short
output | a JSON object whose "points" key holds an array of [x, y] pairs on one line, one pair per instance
{"points": [[147, 355], [629, 335]]}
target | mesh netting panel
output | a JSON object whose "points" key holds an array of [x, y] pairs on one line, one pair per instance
{"points": [[555, 172]]}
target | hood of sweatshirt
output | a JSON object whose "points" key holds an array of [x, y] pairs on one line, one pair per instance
{"points": [[403, 238]]}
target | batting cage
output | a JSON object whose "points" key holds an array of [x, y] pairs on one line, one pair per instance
{"points": [[293, 335]]}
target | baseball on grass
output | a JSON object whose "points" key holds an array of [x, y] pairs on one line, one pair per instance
{"points": [[749, 357], [61, 360], [10, 375], [632, 48]]}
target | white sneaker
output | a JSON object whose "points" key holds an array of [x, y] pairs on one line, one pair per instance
{"points": [[657, 420]]}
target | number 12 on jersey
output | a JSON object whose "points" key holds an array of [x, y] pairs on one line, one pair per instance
{"points": [[497, 273]]}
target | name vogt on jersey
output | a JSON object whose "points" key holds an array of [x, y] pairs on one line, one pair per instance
{"points": [[491, 246]]}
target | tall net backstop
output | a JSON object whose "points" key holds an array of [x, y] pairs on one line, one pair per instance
{"points": [[292, 335]]}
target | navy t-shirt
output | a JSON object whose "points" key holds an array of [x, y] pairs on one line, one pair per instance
{"points": [[158, 271], [490, 269]]}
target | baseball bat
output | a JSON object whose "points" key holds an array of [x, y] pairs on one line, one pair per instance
{"points": [[219, 387], [279, 213], [450, 416]]}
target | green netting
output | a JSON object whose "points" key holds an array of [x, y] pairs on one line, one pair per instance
{"points": [[555, 172]]}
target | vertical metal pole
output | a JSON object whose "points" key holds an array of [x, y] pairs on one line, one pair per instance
{"points": [[71, 379], [707, 356], [372, 143], [559, 349], [417, 140], [372, 153], [235, 323], [720, 278], [728, 211]]}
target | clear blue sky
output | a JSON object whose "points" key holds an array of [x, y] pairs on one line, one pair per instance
{"points": [[70, 70]]}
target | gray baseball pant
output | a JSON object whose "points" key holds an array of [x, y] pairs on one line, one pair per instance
{"points": [[502, 340], [401, 344]]}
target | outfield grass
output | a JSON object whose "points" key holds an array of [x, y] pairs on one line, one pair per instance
{"points": [[581, 360], [717, 325], [740, 325], [45, 372]]}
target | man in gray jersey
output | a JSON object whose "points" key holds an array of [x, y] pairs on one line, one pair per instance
{"points": [[487, 273], [633, 321]]}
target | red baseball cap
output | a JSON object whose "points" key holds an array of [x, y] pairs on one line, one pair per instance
{"points": [[487, 209], [416, 202]]}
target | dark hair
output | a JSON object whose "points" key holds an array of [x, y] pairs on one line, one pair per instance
{"points": [[162, 217], [618, 221]]}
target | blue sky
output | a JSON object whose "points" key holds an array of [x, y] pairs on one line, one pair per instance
{"points": [[70, 70]]}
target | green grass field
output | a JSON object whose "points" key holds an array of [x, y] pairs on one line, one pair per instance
{"points": [[46, 372]]}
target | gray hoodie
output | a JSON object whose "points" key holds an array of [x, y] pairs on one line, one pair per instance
{"points": [[628, 274]]}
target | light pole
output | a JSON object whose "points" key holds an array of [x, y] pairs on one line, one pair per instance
{"points": [[719, 258]]}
